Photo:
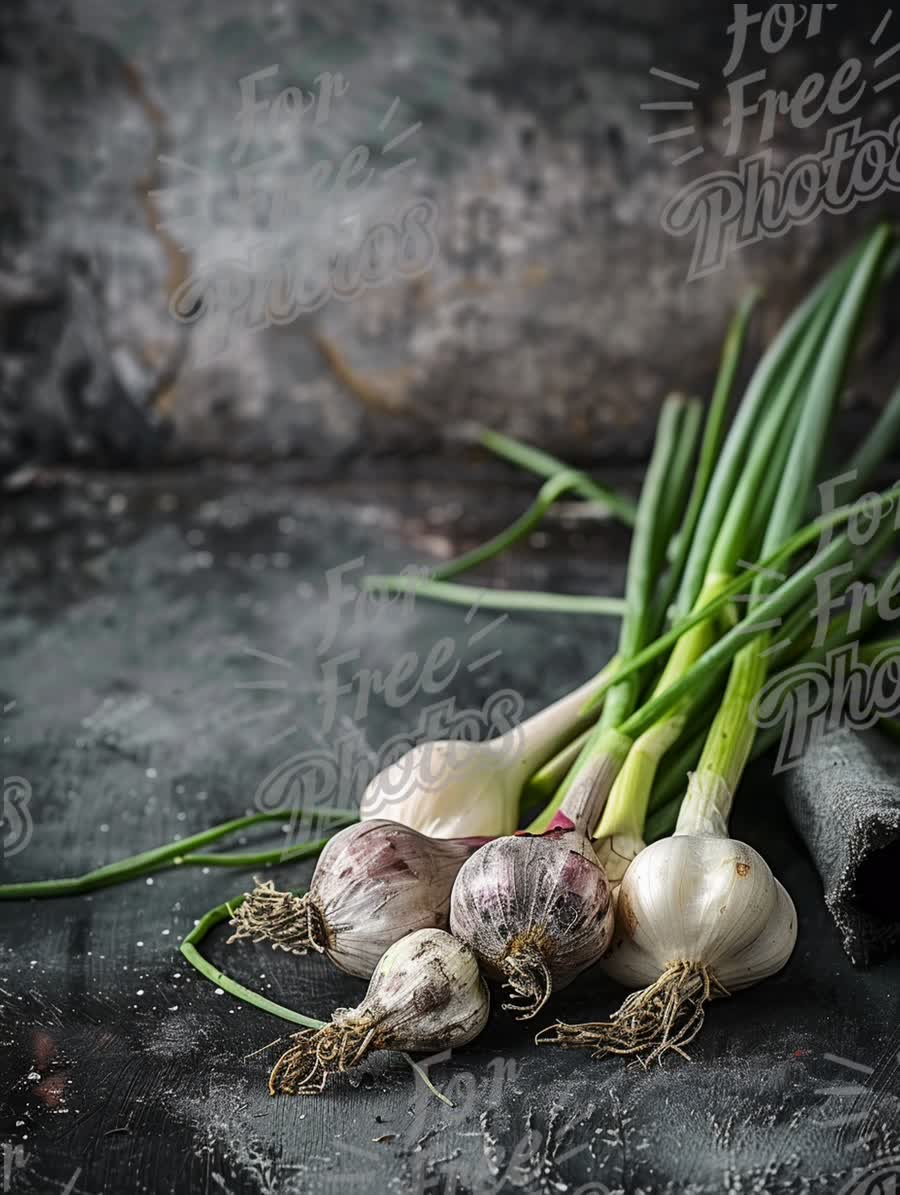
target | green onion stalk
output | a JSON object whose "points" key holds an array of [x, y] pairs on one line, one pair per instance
{"points": [[813, 352], [791, 598], [662, 497], [185, 852], [844, 631], [731, 734], [544, 465], [678, 962], [665, 944]]}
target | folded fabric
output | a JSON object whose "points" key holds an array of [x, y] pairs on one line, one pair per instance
{"points": [[844, 799]]}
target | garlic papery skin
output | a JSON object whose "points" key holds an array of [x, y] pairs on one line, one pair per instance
{"points": [[699, 915], [616, 854], [536, 912], [374, 883], [460, 789], [426, 994]]}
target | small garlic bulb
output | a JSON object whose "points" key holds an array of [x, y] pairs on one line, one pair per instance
{"points": [[374, 883], [426, 994], [535, 910]]}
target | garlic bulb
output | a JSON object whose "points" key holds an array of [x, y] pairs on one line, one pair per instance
{"points": [[535, 909], [732, 919], [699, 915], [457, 789], [449, 790], [374, 883], [426, 994], [539, 942]]}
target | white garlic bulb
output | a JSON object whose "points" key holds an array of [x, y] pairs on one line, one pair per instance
{"points": [[374, 883], [462, 789], [699, 915], [450, 789], [426, 994], [702, 902]]}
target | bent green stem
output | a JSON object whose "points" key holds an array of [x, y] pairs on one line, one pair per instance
{"points": [[544, 465], [175, 854], [190, 950], [551, 491]]}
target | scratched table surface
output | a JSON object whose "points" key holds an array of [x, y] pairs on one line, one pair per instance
{"points": [[166, 647]]}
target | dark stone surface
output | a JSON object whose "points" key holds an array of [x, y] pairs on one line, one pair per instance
{"points": [[124, 628], [556, 306]]}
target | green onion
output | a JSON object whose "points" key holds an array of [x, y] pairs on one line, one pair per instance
{"points": [[551, 491], [495, 599], [545, 465], [178, 854], [881, 440]]}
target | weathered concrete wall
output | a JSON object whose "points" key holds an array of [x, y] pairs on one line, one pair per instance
{"points": [[542, 295]]}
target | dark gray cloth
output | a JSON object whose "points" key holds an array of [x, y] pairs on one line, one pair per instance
{"points": [[844, 799]]}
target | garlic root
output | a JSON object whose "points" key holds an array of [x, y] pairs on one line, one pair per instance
{"points": [[666, 1016], [303, 1069], [374, 883], [699, 916], [291, 923], [535, 908], [528, 978]]}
